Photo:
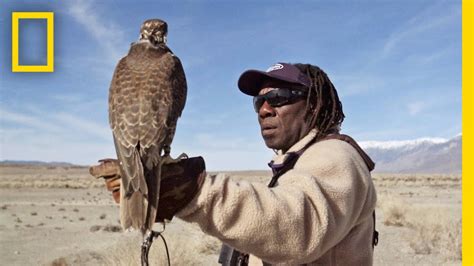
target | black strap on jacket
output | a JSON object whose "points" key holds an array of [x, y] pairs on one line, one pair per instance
{"points": [[232, 257]]}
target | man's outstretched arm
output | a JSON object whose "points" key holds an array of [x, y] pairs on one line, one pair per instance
{"points": [[180, 182]]}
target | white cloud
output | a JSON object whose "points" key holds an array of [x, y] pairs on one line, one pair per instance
{"points": [[423, 22], [52, 137], [415, 108], [107, 33], [44, 146], [224, 152], [429, 59], [70, 98], [55, 123], [67, 137], [20, 119], [350, 85], [85, 126]]}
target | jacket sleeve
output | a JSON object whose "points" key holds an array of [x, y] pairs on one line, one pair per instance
{"points": [[314, 206]]}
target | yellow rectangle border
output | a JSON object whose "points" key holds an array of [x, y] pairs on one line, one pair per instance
{"points": [[49, 16], [467, 138]]}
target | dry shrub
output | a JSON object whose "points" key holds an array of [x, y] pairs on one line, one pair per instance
{"points": [[59, 262], [112, 228], [394, 213], [95, 228], [416, 180], [433, 229], [106, 228], [50, 181], [187, 246], [82, 258], [435, 233]]}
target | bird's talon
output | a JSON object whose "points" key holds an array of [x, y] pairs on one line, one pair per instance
{"points": [[182, 156], [169, 160]]}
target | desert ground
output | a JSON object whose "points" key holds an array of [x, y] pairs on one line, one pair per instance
{"points": [[59, 215]]}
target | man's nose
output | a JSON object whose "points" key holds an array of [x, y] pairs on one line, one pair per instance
{"points": [[266, 110]]}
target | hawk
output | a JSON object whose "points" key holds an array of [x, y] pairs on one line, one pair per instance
{"points": [[147, 96]]}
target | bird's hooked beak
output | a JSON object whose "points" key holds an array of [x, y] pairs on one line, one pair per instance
{"points": [[154, 38]]}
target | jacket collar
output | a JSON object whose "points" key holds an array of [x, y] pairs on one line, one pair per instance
{"points": [[280, 158]]}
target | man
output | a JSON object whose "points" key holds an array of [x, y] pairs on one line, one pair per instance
{"points": [[318, 208]]}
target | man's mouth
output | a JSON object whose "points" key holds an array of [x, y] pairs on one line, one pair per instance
{"points": [[268, 129]]}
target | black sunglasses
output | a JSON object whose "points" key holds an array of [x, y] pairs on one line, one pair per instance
{"points": [[278, 97]]}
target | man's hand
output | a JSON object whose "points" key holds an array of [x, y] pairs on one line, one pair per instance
{"points": [[180, 182]]}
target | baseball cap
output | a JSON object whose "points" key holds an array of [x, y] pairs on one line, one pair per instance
{"points": [[250, 81]]}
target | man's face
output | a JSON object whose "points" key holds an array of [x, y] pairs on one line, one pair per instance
{"points": [[283, 126]]}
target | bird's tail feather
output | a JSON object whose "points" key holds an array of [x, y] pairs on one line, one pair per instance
{"points": [[132, 210], [153, 178], [134, 201], [135, 172]]}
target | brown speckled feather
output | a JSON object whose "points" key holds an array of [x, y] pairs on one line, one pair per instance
{"points": [[147, 95]]}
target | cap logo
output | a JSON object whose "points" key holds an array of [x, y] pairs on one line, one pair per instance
{"points": [[275, 67]]}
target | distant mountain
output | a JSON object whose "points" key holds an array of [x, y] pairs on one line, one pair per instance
{"points": [[36, 163], [425, 155]]}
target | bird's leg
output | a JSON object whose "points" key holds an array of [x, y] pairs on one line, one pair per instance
{"points": [[147, 241], [166, 159]]}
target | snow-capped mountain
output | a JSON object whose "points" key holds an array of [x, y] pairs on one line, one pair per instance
{"points": [[424, 155]]}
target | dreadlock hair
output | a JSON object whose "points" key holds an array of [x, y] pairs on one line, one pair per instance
{"points": [[323, 108]]}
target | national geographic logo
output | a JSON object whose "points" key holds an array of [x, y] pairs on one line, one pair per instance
{"points": [[49, 17]]}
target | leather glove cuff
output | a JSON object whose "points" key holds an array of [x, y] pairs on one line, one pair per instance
{"points": [[107, 168]]}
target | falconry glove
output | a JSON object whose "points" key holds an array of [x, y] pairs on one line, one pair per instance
{"points": [[179, 185], [109, 169], [180, 182]]}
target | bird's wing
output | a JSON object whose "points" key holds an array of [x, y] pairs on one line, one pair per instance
{"points": [[124, 118], [170, 84], [179, 88], [179, 92]]}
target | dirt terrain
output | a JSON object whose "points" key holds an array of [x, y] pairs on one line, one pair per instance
{"points": [[62, 216]]}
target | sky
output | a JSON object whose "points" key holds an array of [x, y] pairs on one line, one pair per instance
{"points": [[396, 66]]}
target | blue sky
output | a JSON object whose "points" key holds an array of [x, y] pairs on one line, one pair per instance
{"points": [[395, 64]]}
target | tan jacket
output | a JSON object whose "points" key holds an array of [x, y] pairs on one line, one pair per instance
{"points": [[319, 213]]}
